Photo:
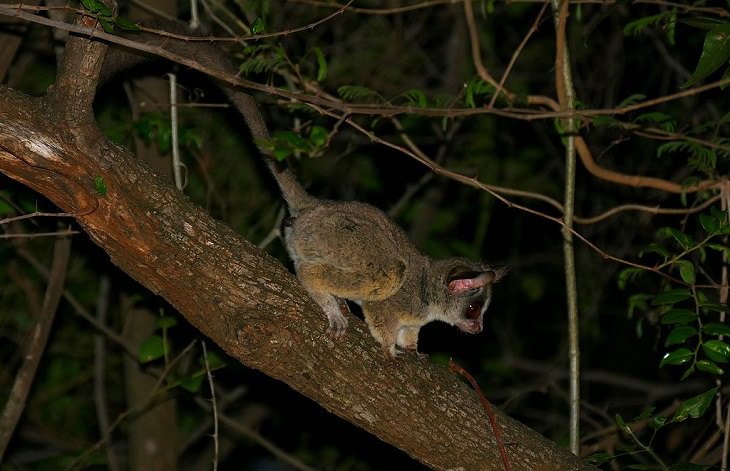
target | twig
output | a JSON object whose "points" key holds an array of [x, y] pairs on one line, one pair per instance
{"points": [[33, 235], [516, 54], [36, 344], [35, 214], [687, 8], [487, 408], [726, 441], [100, 396], [381, 11], [275, 231], [213, 405], [252, 37], [646, 209], [174, 134], [476, 53]]}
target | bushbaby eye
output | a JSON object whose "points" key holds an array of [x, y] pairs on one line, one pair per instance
{"points": [[473, 311]]}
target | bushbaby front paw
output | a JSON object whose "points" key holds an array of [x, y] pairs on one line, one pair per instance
{"points": [[337, 321]]}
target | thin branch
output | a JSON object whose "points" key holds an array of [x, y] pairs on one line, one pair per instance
{"points": [[516, 54], [647, 209], [100, 395], [33, 235], [476, 53], [275, 231], [488, 409], [381, 11], [35, 214], [252, 37], [213, 405], [433, 3], [35, 344], [566, 98]]}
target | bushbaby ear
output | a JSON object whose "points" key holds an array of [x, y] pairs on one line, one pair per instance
{"points": [[461, 282], [470, 280], [499, 271]]}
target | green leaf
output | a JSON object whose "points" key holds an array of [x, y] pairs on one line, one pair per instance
{"points": [[166, 322], [678, 316], [151, 349], [6, 208], [628, 275], [694, 407], [291, 138], [97, 7], [662, 120], [715, 53], [415, 98], [622, 423], [215, 361], [645, 414], [259, 65], [720, 248], [709, 223], [637, 26], [671, 297], [716, 328], [258, 27], [638, 301], [716, 350], [716, 307], [357, 93], [191, 383], [474, 88], [106, 24], [679, 335], [673, 147], [632, 100], [677, 357], [670, 27], [682, 239], [709, 367], [281, 153], [99, 185], [126, 25], [655, 248], [600, 458], [321, 64], [658, 422], [641, 466], [686, 271], [318, 136], [687, 372]]}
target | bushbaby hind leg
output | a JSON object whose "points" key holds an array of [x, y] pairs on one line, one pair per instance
{"points": [[407, 338], [365, 284], [384, 328], [332, 306]]}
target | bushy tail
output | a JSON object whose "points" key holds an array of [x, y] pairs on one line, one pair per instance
{"points": [[295, 195]]}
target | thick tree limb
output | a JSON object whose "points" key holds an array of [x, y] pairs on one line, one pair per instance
{"points": [[246, 301]]}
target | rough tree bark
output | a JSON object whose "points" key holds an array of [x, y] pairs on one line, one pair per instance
{"points": [[237, 295]]}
